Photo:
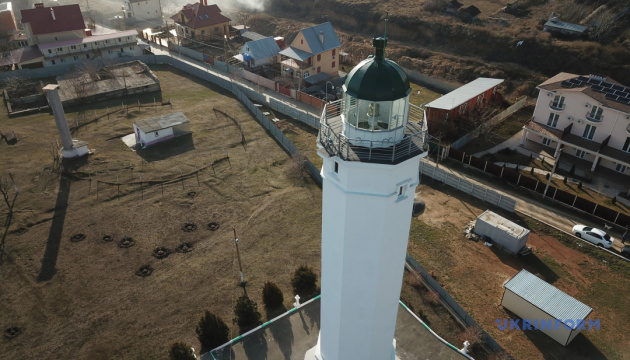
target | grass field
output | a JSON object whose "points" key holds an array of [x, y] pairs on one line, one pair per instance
{"points": [[82, 299]]}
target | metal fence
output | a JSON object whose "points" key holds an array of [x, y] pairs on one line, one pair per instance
{"points": [[479, 191], [452, 304]]}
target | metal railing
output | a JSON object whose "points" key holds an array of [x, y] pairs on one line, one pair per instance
{"points": [[556, 105], [357, 149], [595, 119]]}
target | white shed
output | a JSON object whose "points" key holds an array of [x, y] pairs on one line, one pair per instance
{"points": [[152, 131], [541, 306], [507, 234]]}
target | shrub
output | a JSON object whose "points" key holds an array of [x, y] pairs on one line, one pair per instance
{"points": [[580, 185], [433, 297], [246, 314], [272, 295], [474, 335], [181, 351], [304, 282], [211, 332]]}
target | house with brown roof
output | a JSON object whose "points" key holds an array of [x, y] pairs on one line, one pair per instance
{"points": [[201, 21], [50, 24], [585, 116]]}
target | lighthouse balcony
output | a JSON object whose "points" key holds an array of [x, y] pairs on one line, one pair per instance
{"points": [[379, 145]]}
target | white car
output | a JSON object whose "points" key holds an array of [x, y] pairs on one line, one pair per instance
{"points": [[594, 235]]}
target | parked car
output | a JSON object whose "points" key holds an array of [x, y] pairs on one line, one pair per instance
{"points": [[594, 235], [625, 251]]}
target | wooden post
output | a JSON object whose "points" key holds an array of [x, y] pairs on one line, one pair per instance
{"points": [[574, 200]]}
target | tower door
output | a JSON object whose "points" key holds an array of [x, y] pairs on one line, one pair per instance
{"points": [[319, 69]]}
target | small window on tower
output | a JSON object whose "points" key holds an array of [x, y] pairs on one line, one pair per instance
{"points": [[336, 167]]}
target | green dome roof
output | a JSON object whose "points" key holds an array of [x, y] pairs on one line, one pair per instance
{"points": [[377, 78]]}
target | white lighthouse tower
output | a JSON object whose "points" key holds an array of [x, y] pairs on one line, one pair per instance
{"points": [[371, 143]]}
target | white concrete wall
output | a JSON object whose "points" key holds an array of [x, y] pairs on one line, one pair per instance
{"points": [[526, 310], [145, 10], [152, 138], [365, 230]]}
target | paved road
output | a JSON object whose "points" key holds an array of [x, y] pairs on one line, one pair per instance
{"points": [[531, 206]]}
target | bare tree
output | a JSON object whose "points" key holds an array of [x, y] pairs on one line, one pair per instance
{"points": [[5, 190]]}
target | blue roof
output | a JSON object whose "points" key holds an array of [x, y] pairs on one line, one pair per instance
{"points": [[547, 298], [566, 26], [261, 49], [296, 54], [311, 34]]}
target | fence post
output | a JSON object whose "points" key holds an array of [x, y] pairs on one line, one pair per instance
{"points": [[503, 168], [463, 154], [574, 200], [595, 209], [616, 217], [485, 165], [469, 159], [536, 188], [519, 180]]}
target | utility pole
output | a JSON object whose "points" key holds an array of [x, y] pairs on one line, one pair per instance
{"points": [[238, 255], [555, 163]]}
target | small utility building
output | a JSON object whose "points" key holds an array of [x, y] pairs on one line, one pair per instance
{"points": [[152, 131], [503, 232], [545, 307]]}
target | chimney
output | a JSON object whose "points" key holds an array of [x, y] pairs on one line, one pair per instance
{"points": [[39, 5], [321, 37], [52, 12]]}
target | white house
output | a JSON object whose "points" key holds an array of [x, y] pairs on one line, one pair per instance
{"points": [[544, 307], [259, 52], [586, 116], [143, 10], [152, 131], [107, 46]]}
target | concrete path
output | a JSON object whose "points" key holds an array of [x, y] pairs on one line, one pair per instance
{"points": [[533, 206]]}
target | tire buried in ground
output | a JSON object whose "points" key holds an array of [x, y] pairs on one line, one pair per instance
{"points": [[12, 332], [107, 238], [188, 227], [213, 226], [77, 237], [184, 248], [126, 242], [144, 271], [161, 252], [191, 194]]}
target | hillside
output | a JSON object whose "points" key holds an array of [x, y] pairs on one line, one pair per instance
{"points": [[440, 45]]}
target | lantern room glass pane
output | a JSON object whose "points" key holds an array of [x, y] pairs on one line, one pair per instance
{"points": [[350, 110], [398, 113]]}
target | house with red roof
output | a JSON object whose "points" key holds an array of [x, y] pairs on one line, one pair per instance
{"points": [[51, 24], [201, 21]]}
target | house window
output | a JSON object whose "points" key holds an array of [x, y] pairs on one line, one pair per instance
{"points": [[553, 120], [61, 59], [216, 29], [131, 48], [122, 50], [595, 114], [73, 47], [119, 39], [333, 64], [53, 62], [203, 32], [558, 102], [156, 134], [59, 49], [620, 168], [580, 153], [334, 52], [302, 41], [84, 45], [76, 57], [306, 73], [87, 56], [319, 57], [106, 41], [49, 51], [589, 132], [109, 51], [336, 167], [546, 142], [626, 146]]}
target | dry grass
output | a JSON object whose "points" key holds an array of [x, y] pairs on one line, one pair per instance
{"points": [[82, 299]]}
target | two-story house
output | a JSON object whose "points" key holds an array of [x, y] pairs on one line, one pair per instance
{"points": [[49, 24], [586, 116], [200, 21], [314, 50], [143, 11], [7, 20], [106, 46]]}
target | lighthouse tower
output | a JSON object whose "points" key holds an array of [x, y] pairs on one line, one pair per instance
{"points": [[371, 143]]}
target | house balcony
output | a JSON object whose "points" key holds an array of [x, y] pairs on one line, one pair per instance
{"points": [[332, 139], [594, 119], [555, 106]]}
